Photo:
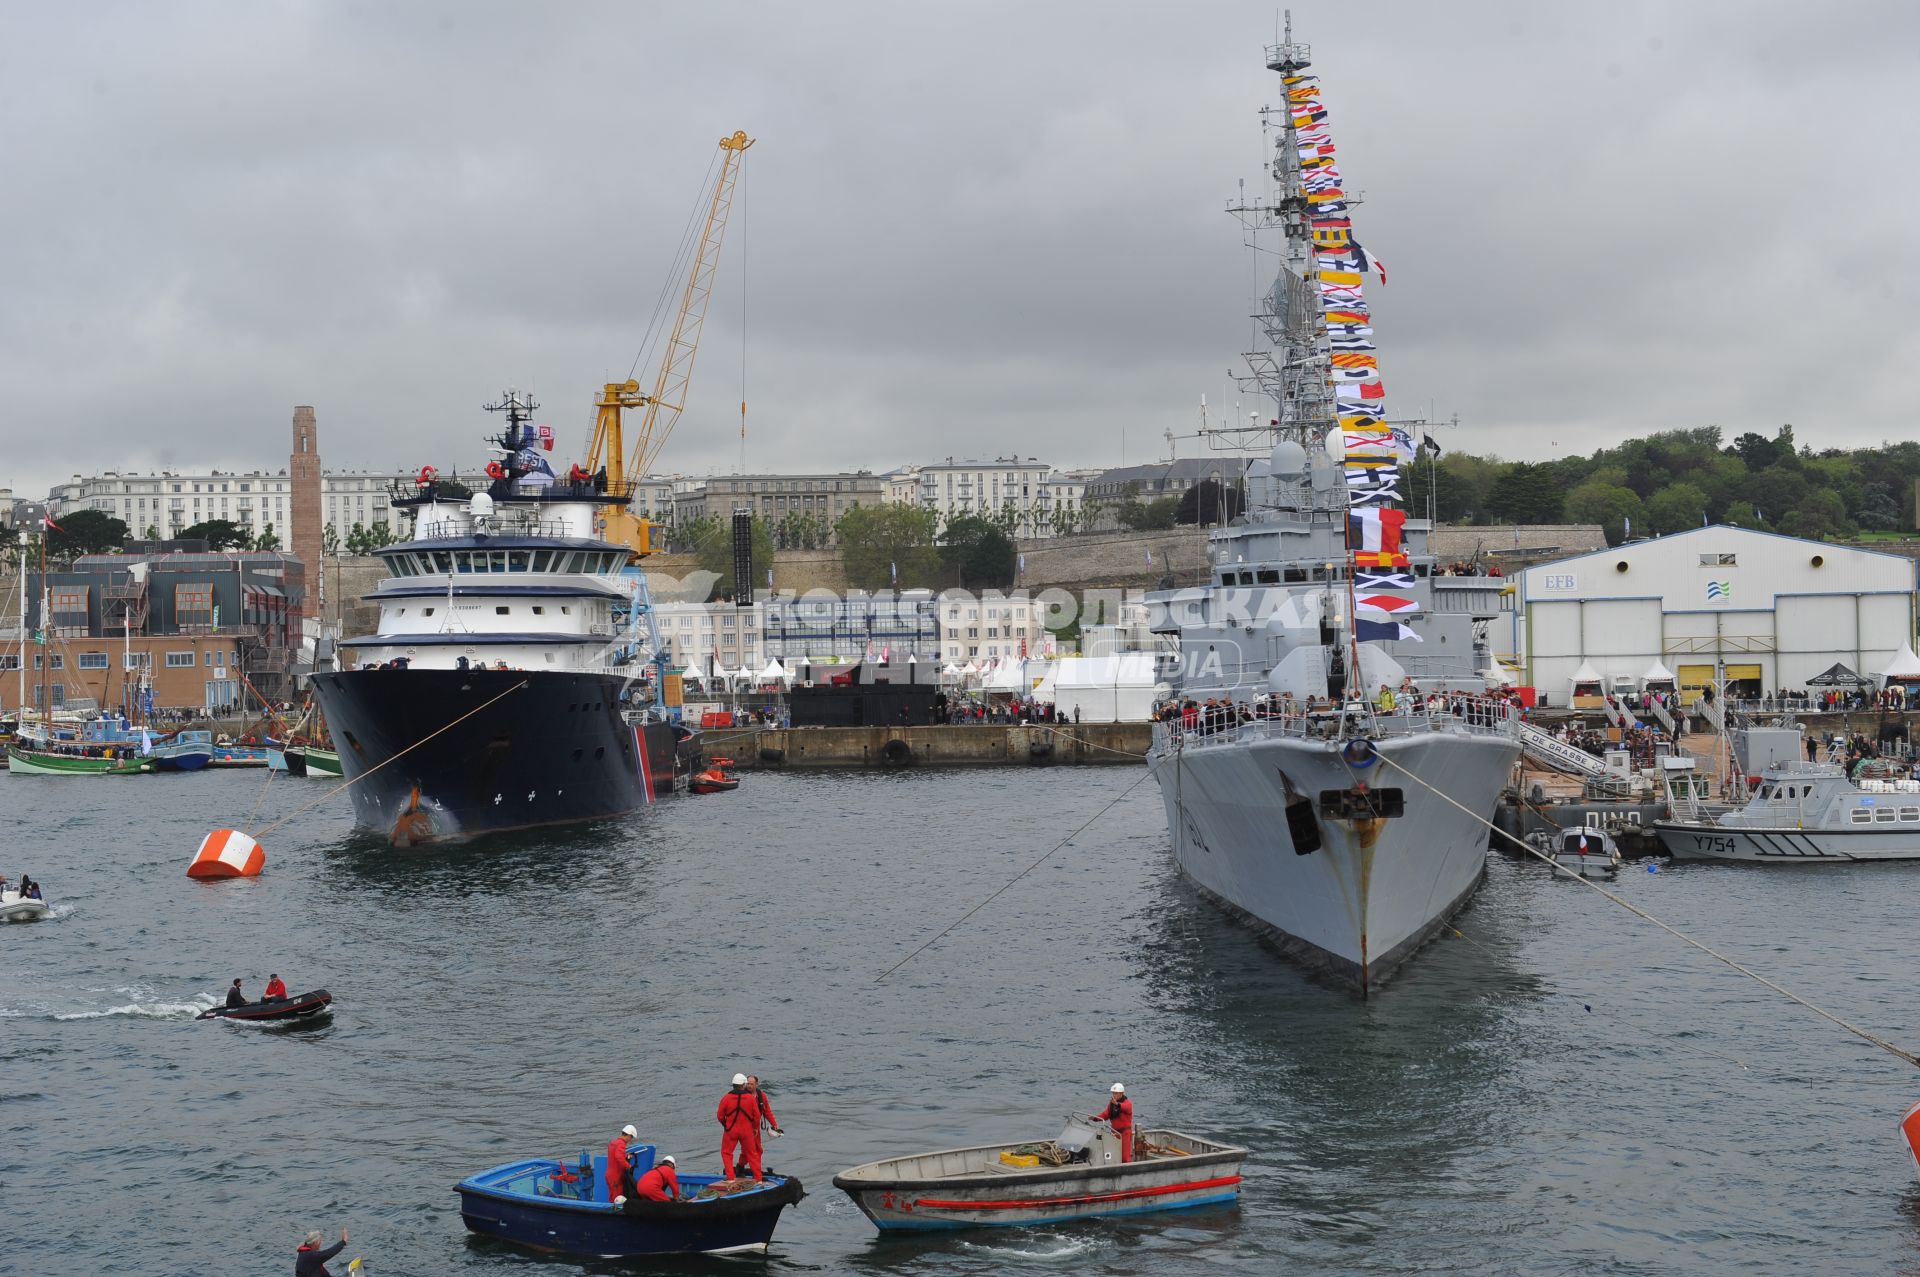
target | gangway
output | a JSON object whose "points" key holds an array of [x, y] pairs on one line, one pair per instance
{"points": [[1551, 752], [1659, 713], [1616, 715]]}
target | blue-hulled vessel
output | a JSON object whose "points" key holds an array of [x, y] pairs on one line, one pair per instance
{"points": [[558, 1205], [498, 691]]}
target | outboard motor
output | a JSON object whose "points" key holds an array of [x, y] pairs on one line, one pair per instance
{"points": [[1092, 1145]]}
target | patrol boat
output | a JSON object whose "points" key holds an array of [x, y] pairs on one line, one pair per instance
{"points": [[1803, 813], [497, 692], [1296, 798]]}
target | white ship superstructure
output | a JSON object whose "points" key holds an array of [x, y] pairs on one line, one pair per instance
{"points": [[1295, 797]]}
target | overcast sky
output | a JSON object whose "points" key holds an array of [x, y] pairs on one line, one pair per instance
{"points": [[966, 229]]}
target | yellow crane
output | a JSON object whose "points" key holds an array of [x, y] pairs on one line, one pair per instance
{"points": [[663, 406]]}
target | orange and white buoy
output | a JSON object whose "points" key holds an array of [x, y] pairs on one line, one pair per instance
{"points": [[1910, 1132], [227, 853]]}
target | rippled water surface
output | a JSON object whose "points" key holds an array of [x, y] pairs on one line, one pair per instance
{"points": [[530, 996]]}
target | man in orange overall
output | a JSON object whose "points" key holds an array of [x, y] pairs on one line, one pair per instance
{"points": [[619, 1162], [1119, 1115], [662, 1183], [739, 1116], [767, 1119]]}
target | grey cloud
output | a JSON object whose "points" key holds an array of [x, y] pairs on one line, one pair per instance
{"points": [[967, 229]]}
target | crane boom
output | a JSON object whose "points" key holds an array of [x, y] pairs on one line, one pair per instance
{"points": [[662, 408]]}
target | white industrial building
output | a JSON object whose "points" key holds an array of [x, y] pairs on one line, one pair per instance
{"points": [[1772, 610]]}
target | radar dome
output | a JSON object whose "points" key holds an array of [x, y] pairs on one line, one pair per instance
{"points": [[1336, 447], [481, 507], [1289, 460]]}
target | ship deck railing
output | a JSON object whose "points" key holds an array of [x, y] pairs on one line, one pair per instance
{"points": [[500, 523], [1477, 718]]}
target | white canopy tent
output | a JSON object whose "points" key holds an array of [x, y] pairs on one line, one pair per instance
{"points": [[1658, 673], [1105, 689], [775, 673], [1905, 667]]}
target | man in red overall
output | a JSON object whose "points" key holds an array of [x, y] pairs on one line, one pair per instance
{"points": [[767, 1119], [1119, 1115], [619, 1162], [662, 1183], [276, 988], [739, 1116]]}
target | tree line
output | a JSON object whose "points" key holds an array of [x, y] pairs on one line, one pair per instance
{"points": [[1680, 479]]}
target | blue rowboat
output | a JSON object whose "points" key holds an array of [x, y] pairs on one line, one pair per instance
{"points": [[561, 1206]]}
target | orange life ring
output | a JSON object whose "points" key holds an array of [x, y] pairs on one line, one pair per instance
{"points": [[495, 470], [427, 475]]}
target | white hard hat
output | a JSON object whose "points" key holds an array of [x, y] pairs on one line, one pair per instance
{"points": [[669, 1160], [739, 1079], [628, 1130], [1116, 1087]]}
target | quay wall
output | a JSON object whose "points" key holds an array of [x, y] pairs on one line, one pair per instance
{"points": [[971, 745]]}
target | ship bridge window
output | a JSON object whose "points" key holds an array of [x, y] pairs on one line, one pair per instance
{"points": [[541, 560], [1293, 575], [1267, 576], [442, 561], [1884, 815], [516, 560], [462, 561], [1861, 815], [499, 560], [1910, 813], [577, 562]]}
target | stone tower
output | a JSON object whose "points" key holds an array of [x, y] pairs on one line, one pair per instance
{"points": [[303, 467]]}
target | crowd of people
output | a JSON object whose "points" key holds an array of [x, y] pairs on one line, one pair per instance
{"points": [[967, 710], [1461, 567], [1215, 714]]}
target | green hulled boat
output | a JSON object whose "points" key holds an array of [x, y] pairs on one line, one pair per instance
{"points": [[323, 762], [23, 761]]}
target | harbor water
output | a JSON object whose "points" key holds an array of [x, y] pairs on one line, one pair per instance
{"points": [[1559, 1089]]}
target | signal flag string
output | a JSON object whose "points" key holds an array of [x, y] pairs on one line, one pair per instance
{"points": [[1710, 951]]}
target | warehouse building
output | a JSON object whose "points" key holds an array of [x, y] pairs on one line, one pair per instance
{"points": [[1773, 610]]}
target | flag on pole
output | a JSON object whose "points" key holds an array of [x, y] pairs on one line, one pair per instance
{"points": [[1383, 631]]}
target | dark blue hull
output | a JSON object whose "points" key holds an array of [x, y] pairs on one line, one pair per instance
{"points": [[448, 754], [608, 1232]]}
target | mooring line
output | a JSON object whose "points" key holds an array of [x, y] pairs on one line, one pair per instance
{"points": [[1863, 1034], [1586, 1002], [394, 758], [952, 926]]}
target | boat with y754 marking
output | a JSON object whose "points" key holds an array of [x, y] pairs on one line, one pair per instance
{"points": [[1804, 813], [1079, 1175]]}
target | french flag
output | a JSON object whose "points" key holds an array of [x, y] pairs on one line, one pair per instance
{"points": [[1376, 530]]}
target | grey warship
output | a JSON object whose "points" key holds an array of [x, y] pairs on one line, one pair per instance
{"points": [[1349, 831]]}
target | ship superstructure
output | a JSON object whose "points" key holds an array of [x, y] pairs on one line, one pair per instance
{"points": [[1329, 689], [496, 691]]}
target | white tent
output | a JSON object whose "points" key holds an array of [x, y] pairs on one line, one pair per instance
{"points": [[774, 673], [1905, 667], [1585, 674], [1501, 675], [951, 674], [1046, 690], [1105, 689], [1657, 673], [1006, 676]]}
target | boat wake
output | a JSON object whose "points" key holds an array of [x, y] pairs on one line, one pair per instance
{"points": [[1041, 1248], [147, 1010]]}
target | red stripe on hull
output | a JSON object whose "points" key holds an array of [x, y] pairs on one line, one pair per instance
{"points": [[1163, 1190]]}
